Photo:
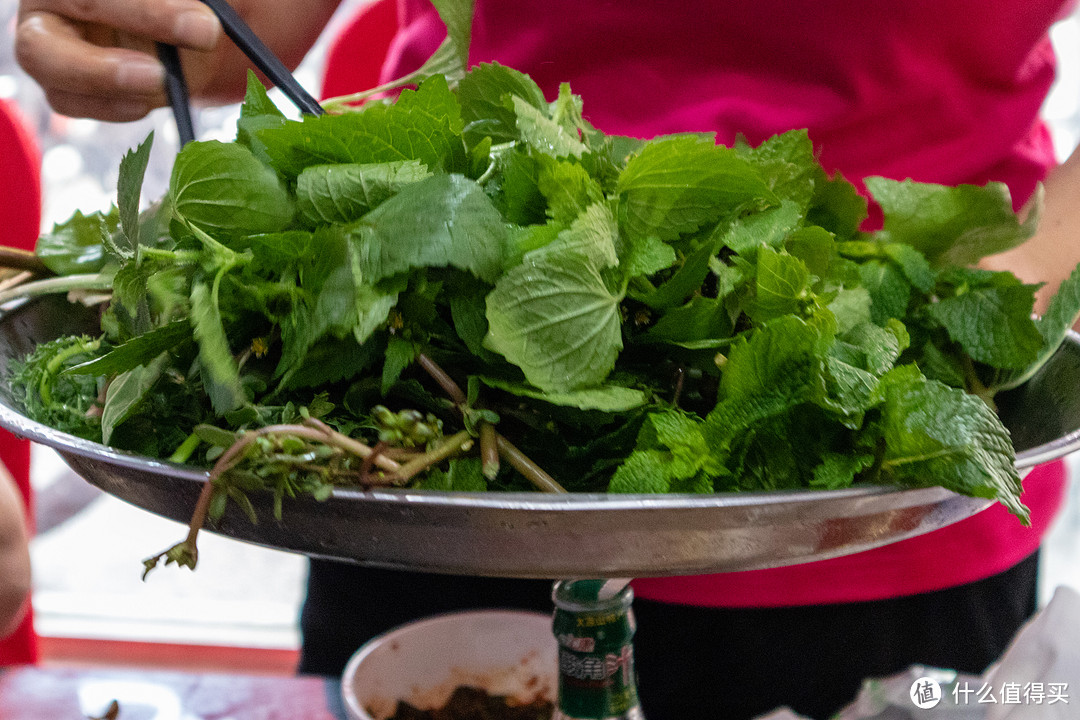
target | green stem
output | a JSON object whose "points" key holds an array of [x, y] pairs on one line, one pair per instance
{"points": [[63, 284], [180, 257], [532, 472], [54, 365], [186, 448], [457, 443]]}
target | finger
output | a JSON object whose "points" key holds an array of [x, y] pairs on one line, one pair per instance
{"points": [[60, 60], [110, 109], [184, 23]]}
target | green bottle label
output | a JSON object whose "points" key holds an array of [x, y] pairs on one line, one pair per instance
{"points": [[596, 653]]}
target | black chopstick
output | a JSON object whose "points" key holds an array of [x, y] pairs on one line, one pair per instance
{"points": [[177, 92], [263, 57]]}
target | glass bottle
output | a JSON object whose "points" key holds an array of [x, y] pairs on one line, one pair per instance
{"points": [[594, 625]]}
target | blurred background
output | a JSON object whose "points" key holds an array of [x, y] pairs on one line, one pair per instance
{"points": [[240, 609]]}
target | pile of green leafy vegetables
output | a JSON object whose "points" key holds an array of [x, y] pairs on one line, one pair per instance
{"points": [[470, 288]]}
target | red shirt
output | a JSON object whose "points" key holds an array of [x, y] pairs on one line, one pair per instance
{"points": [[20, 206], [943, 91]]}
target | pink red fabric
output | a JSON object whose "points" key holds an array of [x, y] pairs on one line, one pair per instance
{"points": [[20, 206], [936, 90]]}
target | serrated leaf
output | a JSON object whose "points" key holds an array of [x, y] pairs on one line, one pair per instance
{"points": [[838, 471], [1061, 315], [555, 318], [679, 184], [220, 373], [328, 194], [484, 108], [129, 189], [543, 134], [768, 374], [607, 398], [424, 125], [951, 225], [781, 286], [443, 220], [937, 435], [913, 264], [139, 350], [644, 471], [890, 290], [222, 187], [126, 393], [77, 245], [993, 324], [400, 353], [569, 189], [594, 234]]}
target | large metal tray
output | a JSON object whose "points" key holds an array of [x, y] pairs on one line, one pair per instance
{"points": [[549, 536]]}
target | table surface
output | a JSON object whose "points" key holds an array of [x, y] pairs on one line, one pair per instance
{"points": [[34, 693]]}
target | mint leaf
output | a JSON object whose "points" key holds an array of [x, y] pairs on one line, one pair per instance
{"points": [[328, 194], [644, 471], [678, 184], [1061, 315], [950, 225], [568, 188], [881, 346], [555, 318], [937, 435], [851, 308], [838, 471], [463, 475], [768, 374], [913, 264], [222, 187], [442, 220], [993, 324], [890, 290]]}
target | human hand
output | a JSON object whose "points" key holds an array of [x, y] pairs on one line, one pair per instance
{"points": [[97, 58]]}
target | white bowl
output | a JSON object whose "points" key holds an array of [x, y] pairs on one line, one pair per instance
{"points": [[505, 652]]}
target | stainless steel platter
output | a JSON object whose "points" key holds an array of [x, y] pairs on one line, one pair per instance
{"points": [[551, 536]]}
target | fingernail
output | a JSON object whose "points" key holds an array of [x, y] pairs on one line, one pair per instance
{"points": [[143, 76], [197, 29]]}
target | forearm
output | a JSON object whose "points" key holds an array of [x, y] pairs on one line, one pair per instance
{"points": [[14, 556]]}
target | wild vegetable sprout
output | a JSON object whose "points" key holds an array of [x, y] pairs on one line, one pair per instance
{"points": [[471, 288]]}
